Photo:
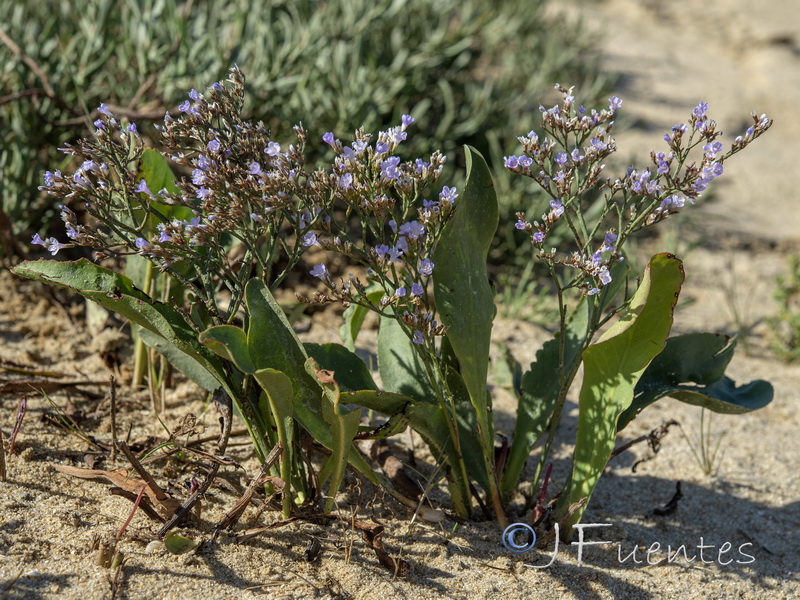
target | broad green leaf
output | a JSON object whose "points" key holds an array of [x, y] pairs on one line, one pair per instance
{"points": [[230, 342], [117, 292], [344, 428], [352, 374], [187, 365], [354, 318], [691, 368], [273, 344], [464, 297], [540, 388], [725, 397], [613, 366], [401, 369]]}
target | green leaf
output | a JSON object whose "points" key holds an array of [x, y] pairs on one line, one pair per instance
{"points": [[177, 544], [352, 374], [230, 342], [463, 294], [401, 368], [279, 394], [187, 365], [540, 388], [117, 293], [272, 343], [691, 368], [344, 428], [354, 318], [612, 367]]}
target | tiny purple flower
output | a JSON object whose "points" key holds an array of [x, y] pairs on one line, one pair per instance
{"points": [[99, 124], [521, 225], [407, 120], [412, 229], [381, 250], [194, 95], [525, 161], [328, 138], [389, 168], [511, 162], [557, 207], [402, 243], [273, 149], [255, 168], [346, 181], [425, 266], [538, 237], [400, 292], [395, 254], [51, 243], [416, 289], [381, 148], [309, 239], [142, 188], [184, 106], [202, 193], [699, 111], [132, 129], [142, 243], [214, 145], [560, 158], [592, 291], [449, 194], [614, 103], [103, 109], [320, 271], [605, 276], [50, 177], [198, 177], [418, 338]]}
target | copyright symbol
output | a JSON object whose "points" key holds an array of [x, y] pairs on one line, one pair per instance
{"points": [[510, 535]]}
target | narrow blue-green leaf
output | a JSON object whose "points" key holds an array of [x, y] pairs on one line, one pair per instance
{"points": [[612, 367], [463, 294]]}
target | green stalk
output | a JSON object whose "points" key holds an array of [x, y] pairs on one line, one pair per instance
{"points": [[140, 351]]}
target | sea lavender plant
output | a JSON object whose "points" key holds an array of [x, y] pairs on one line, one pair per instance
{"points": [[423, 263]]}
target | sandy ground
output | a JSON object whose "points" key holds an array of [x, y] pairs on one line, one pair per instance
{"points": [[671, 56]]}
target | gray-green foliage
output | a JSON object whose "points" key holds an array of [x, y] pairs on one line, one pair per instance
{"points": [[469, 71], [785, 326]]}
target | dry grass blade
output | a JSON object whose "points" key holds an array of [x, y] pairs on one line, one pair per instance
{"points": [[2, 458], [22, 408], [372, 534], [224, 405], [233, 516], [122, 478]]}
